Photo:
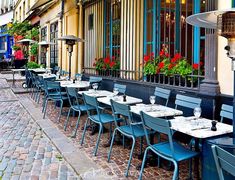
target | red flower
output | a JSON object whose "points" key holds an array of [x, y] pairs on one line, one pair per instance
{"points": [[195, 66], [162, 53], [201, 63], [112, 64], [170, 66], [94, 64], [146, 58], [173, 60], [161, 65], [177, 56], [107, 60], [167, 55]]}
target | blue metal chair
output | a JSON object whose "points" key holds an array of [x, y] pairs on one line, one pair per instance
{"points": [[163, 94], [94, 79], [223, 161], [64, 73], [187, 102], [75, 106], [53, 92], [100, 118], [121, 88], [226, 112], [170, 149], [131, 129]]}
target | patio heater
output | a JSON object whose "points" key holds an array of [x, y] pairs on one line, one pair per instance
{"points": [[26, 43], [70, 41], [223, 21], [45, 45]]}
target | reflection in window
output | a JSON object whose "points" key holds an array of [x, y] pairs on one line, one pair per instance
{"points": [[54, 48], [112, 27], [43, 51]]}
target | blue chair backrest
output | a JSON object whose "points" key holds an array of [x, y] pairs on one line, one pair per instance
{"points": [[157, 124], [187, 102], [94, 79], [224, 161], [52, 85], [121, 88], [64, 73], [122, 110], [226, 112], [162, 93], [91, 101], [72, 94]]}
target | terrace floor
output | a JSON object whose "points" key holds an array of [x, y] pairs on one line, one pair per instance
{"points": [[35, 148]]}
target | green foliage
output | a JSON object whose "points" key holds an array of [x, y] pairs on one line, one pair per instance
{"points": [[183, 68], [20, 28], [150, 69], [32, 65], [34, 49], [33, 34], [16, 48]]}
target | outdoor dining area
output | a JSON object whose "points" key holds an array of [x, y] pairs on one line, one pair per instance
{"points": [[161, 131]]}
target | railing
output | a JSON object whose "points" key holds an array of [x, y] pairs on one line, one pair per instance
{"points": [[189, 82]]}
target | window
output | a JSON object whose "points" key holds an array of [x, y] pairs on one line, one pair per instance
{"points": [[2, 43], [20, 15], [112, 28], [91, 21], [165, 23], [23, 10], [43, 38], [54, 48]]}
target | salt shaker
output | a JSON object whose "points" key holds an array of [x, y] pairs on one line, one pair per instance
{"points": [[213, 127]]}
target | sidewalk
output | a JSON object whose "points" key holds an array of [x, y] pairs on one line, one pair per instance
{"points": [[76, 157]]}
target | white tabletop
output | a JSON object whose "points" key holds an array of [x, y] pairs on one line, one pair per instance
{"points": [[97, 93], [129, 100], [17, 70], [45, 75], [155, 110], [77, 84], [200, 128], [40, 70]]}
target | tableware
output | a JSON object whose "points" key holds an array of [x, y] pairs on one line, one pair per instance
{"points": [[152, 101]]}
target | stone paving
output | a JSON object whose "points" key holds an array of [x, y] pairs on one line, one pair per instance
{"points": [[113, 170], [25, 151]]}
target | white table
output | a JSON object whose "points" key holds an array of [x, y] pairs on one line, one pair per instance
{"points": [[45, 75], [155, 110], [200, 128], [77, 84], [97, 93], [129, 100], [39, 70], [13, 74]]}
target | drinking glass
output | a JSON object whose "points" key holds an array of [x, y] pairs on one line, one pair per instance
{"points": [[197, 113], [115, 91], [152, 101], [95, 86]]}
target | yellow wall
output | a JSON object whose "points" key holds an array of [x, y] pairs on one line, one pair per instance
{"points": [[19, 9], [94, 37], [225, 74]]}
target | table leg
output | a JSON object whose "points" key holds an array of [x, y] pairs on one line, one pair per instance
{"points": [[13, 80], [197, 160]]}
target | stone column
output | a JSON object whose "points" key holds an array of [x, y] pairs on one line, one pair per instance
{"points": [[210, 85]]}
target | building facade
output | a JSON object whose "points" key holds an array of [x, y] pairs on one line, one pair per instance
{"points": [[6, 16]]}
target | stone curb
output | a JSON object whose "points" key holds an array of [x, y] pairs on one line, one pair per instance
{"points": [[76, 158]]}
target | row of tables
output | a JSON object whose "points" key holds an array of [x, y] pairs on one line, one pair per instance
{"points": [[200, 129]]}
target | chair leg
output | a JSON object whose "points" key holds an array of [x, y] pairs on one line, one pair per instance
{"points": [[77, 124], [39, 94], [61, 106], [129, 162], [111, 145], [84, 131], [176, 171], [141, 145], [143, 163], [98, 139], [67, 120], [45, 109], [43, 103]]}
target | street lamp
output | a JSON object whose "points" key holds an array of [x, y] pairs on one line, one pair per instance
{"points": [[70, 40], [224, 22], [45, 45]]}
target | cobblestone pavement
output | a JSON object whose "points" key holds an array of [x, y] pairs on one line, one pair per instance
{"points": [[25, 151], [120, 155]]}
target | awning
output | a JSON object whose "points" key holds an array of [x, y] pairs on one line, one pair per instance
{"points": [[40, 3], [6, 18]]}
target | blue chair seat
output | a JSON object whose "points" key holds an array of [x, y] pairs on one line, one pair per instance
{"points": [[104, 118], [55, 97], [138, 130], [83, 107], [180, 152]]}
